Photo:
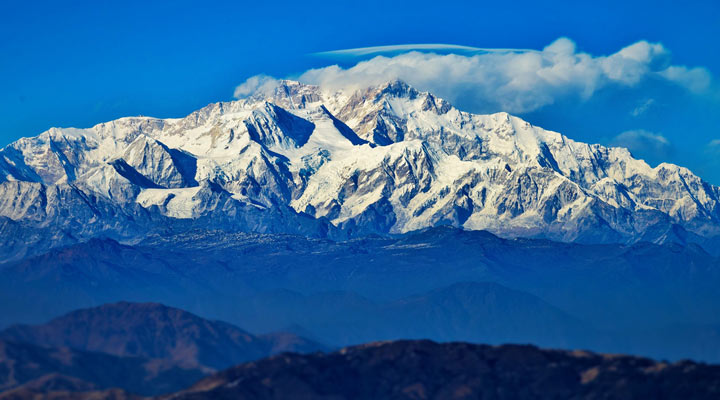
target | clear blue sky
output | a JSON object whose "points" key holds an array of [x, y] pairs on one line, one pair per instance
{"points": [[77, 63]]}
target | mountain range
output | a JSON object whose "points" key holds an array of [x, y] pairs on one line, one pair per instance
{"points": [[441, 283], [318, 218], [340, 163]]}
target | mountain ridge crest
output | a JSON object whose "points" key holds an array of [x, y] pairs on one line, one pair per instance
{"points": [[382, 160]]}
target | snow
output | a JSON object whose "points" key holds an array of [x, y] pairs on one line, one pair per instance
{"points": [[506, 174], [177, 203]]}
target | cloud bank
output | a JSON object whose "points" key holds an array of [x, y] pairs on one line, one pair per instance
{"points": [[515, 81]]}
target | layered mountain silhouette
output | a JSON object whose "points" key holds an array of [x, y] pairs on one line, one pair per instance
{"points": [[442, 284], [471, 311], [176, 348]]}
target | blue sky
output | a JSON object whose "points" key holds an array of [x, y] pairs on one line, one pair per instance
{"points": [[81, 63]]}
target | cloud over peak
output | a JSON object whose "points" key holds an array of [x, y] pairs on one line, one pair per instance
{"points": [[257, 83], [511, 80]]}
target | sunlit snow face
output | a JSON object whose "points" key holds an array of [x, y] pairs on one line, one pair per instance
{"points": [[594, 98]]}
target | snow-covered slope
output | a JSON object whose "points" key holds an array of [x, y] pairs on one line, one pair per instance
{"points": [[387, 159]]}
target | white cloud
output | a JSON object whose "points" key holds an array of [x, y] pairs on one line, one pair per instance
{"points": [[509, 80], [257, 83], [695, 79], [649, 146]]}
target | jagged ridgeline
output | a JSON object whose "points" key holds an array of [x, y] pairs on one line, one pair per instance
{"points": [[323, 162]]}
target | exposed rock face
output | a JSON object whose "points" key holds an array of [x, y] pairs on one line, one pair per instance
{"points": [[386, 159], [428, 370]]}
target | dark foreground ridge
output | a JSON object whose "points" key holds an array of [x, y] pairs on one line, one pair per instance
{"points": [[423, 369], [428, 370]]}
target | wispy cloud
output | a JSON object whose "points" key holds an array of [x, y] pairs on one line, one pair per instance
{"points": [[713, 146], [440, 47], [642, 108], [651, 147]]}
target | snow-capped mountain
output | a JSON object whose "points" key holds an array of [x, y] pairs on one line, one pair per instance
{"points": [[311, 160]]}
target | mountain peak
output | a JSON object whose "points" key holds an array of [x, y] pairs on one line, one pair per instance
{"points": [[289, 94], [398, 88]]}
